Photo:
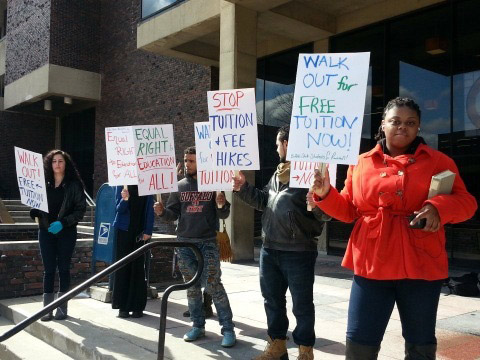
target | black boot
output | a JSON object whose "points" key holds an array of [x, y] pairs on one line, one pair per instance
{"points": [[207, 305], [47, 299], [61, 313], [420, 352], [356, 351]]}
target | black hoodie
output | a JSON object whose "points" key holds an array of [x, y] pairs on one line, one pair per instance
{"points": [[197, 212]]}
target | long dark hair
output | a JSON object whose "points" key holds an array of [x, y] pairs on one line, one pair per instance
{"points": [[71, 171], [397, 102]]}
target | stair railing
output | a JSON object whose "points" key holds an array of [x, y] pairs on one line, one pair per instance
{"points": [[91, 203], [111, 269]]}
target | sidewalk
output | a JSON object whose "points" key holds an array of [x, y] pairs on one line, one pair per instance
{"points": [[96, 328]]}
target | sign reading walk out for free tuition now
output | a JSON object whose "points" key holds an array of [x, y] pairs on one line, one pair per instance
{"points": [[328, 108], [233, 126], [208, 178], [31, 179], [155, 159]]}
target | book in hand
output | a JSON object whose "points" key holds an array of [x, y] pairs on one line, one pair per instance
{"points": [[441, 183]]}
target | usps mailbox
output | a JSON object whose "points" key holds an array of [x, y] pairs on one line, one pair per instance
{"points": [[104, 238]]}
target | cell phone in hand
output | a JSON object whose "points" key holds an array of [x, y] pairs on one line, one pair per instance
{"points": [[419, 224]]}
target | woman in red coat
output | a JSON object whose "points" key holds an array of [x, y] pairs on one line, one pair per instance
{"points": [[394, 262]]}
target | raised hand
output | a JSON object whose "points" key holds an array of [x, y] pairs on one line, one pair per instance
{"points": [[238, 181], [159, 208]]}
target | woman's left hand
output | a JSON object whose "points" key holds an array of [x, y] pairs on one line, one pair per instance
{"points": [[146, 237], [430, 213]]}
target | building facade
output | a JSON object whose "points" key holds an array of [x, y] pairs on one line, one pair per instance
{"points": [[152, 61]]}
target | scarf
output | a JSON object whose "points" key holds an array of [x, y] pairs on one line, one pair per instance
{"points": [[283, 172]]}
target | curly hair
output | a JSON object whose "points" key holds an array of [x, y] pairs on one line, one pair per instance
{"points": [[398, 102], [283, 132], [71, 171]]}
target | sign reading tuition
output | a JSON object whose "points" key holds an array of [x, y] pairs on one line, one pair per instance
{"points": [[328, 108], [233, 126]]}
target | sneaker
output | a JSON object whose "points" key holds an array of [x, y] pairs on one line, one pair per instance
{"points": [[123, 314], [229, 339], [194, 334], [137, 314]]}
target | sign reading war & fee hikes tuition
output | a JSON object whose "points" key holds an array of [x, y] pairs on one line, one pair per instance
{"points": [[31, 179], [328, 107], [155, 158], [233, 126], [121, 160], [208, 178]]}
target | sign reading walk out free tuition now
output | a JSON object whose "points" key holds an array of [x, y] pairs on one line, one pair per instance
{"points": [[31, 179], [233, 129], [328, 108]]}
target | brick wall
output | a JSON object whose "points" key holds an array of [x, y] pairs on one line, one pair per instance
{"points": [[28, 37], [30, 132], [21, 267], [143, 88], [75, 33]]}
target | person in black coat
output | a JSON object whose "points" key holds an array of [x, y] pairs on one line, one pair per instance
{"points": [[57, 233]]}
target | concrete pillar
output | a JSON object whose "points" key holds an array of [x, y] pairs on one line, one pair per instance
{"points": [[238, 63]]}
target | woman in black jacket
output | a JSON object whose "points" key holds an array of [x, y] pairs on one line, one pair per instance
{"points": [[57, 233]]}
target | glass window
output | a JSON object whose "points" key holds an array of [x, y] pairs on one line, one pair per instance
{"points": [[150, 7]]}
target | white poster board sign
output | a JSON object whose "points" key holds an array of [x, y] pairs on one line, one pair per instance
{"points": [[302, 172], [121, 161], [208, 178], [155, 159], [328, 108], [31, 179], [233, 124]]}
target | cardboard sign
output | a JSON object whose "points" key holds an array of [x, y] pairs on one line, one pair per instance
{"points": [[155, 159], [31, 179], [328, 108], [233, 124], [121, 161], [301, 173], [208, 178]]}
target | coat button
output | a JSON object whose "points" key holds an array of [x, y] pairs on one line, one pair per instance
{"points": [[400, 173], [383, 174], [399, 193], [411, 160]]}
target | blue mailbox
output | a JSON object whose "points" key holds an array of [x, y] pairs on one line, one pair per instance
{"points": [[104, 238]]}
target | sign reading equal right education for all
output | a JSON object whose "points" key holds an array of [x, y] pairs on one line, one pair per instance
{"points": [[328, 108]]}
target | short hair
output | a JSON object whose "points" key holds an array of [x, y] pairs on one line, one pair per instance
{"points": [[191, 150], [283, 132], [398, 102]]}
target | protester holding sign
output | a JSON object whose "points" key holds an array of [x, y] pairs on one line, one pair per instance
{"points": [[134, 224], [198, 214], [288, 255], [57, 233], [394, 260]]}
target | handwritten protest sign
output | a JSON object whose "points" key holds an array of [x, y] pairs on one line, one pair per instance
{"points": [[208, 178], [301, 173], [155, 159], [121, 161], [233, 124], [31, 179], [328, 107]]}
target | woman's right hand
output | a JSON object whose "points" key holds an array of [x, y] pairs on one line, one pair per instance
{"points": [[321, 184], [159, 208], [125, 194]]}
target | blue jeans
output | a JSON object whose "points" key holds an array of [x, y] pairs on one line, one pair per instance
{"points": [[57, 251], [210, 280], [372, 302], [280, 270]]}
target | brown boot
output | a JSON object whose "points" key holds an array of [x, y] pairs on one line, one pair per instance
{"points": [[305, 352], [275, 350]]}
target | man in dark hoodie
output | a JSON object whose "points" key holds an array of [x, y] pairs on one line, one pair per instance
{"points": [[198, 214], [288, 255]]}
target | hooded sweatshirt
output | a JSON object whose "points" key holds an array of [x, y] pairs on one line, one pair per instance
{"points": [[197, 212]]}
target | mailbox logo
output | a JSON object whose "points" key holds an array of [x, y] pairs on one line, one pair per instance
{"points": [[103, 233]]}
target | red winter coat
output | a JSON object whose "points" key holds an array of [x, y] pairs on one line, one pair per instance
{"points": [[381, 191]]}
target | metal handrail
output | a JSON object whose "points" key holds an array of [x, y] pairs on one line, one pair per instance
{"points": [[112, 268], [90, 201]]}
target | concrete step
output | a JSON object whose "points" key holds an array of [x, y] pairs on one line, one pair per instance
{"points": [[92, 330], [25, 346], [17, 208], [12, 202], [22, 219]]}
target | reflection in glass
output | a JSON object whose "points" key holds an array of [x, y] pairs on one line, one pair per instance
{"points": [[431, 91], [150, 7]]}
